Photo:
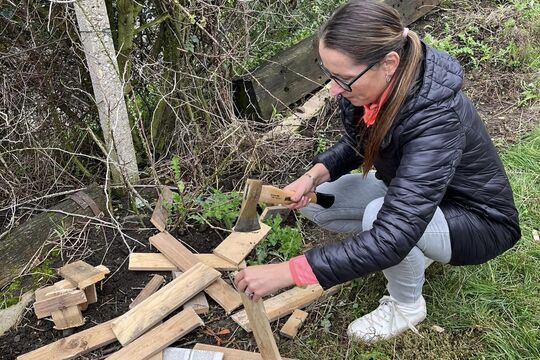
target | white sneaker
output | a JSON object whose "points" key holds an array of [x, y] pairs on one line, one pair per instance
{"points": [[391, 318]]}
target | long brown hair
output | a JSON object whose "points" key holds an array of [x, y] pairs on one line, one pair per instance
{"points": [[367, 31]]}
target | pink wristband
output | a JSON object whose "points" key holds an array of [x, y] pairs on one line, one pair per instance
{"points": [[301, 271]]}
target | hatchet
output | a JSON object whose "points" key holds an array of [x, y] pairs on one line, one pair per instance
{"points": [[255, 192]]}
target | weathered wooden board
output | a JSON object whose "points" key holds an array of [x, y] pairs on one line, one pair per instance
{"points": [[152, 310], [75, 345], [179, 255], [159, 262], [261, 328], [238, 245], [294, 73], [151, 287], [157, 339], [285, 303], [290, 329], [198, 303], [81, 273], [160, 215], [231, 354], [19, 247]]}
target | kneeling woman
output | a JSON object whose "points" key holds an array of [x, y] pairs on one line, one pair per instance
{"points": [[439, 191]]}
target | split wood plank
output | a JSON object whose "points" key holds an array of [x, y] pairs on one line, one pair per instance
{"points": [[238, 245], [179, 255], [290, 329], [81, 273], [198, 302], [231, 354], [67, 318], [261, 328], [276, 210], [218, 263], [151, 287], [285, 303], [158, 356], [74, 345], [66, 299], [157, 339], [160, 215], [170, 297], [159, 262]]}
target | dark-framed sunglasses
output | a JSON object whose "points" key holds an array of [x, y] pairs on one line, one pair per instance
{"points": [[347, 86]]}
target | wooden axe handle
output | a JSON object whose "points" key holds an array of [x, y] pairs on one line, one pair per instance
{"points": [[272, 195]]}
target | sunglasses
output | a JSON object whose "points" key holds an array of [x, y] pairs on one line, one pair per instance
{"points": [[347, 86]]}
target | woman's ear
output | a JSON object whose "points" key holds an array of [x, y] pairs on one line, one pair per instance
{"points": [[391, 63]]}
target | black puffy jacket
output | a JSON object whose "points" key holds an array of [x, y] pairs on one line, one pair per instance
{"points": [[437, 153]]}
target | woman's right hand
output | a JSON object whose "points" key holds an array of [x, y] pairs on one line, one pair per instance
{"points": [[299, 187]]}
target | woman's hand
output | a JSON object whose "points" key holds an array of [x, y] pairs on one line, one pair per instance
{"points": [[261, 280], [299, 187]]}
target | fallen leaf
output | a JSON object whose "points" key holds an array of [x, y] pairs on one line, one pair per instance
{"points": [[437, 328]]}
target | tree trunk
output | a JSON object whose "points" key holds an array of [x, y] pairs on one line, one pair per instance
{"points": [[98, 46], [20, 246]]}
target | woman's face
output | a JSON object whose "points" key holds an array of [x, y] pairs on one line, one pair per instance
{"points": [[367, 88]]}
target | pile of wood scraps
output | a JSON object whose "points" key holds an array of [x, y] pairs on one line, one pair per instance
{"points": [[148, 329], [65, 300]]}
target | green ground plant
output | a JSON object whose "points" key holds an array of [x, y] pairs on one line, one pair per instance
{"points": [[218, 208], [282, 242]]}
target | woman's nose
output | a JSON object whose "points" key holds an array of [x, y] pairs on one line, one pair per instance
{"points": [[335, 89]]}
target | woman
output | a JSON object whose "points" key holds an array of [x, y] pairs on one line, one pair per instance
{"points": [[439, 191]]}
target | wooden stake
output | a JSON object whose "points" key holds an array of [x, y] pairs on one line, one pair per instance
{"points": [[261, 328]]}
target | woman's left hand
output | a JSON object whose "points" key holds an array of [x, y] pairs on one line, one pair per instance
{"points": [[261, 280]]}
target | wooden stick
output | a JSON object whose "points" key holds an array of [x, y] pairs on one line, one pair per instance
{"points": [[232, 354], [261, 328]]}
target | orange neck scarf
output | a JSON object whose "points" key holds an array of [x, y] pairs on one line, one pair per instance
{"points": [[371, 110]]}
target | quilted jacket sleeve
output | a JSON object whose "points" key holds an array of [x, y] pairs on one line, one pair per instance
{"points": [[344, 155], [431, 149]]}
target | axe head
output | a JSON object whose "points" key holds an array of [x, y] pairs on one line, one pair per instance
{"points": [[248, 220]]}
